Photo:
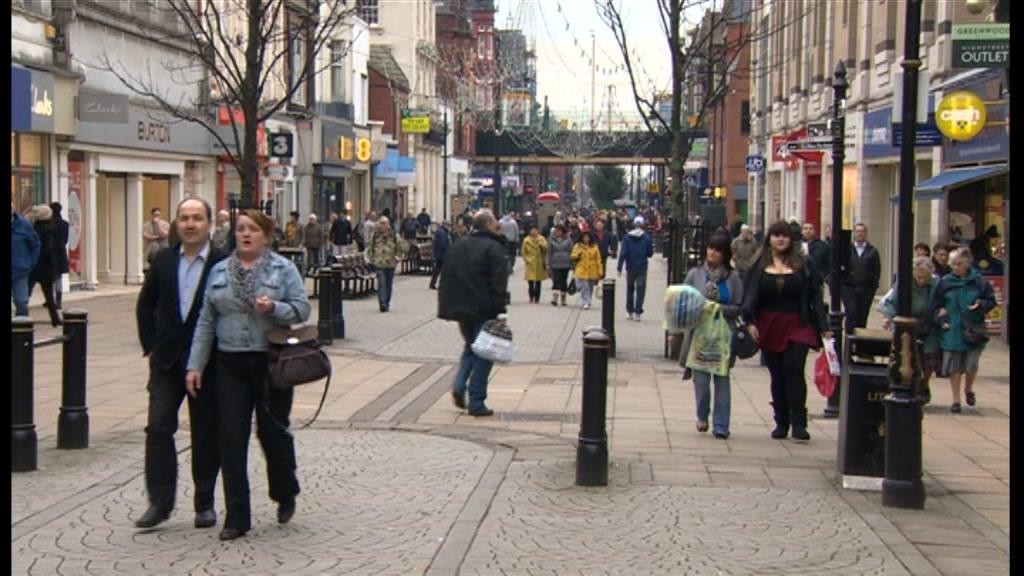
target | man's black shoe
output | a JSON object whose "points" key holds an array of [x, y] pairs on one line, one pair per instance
{"points": [[459, 399], [231, 533], [154, 516], [285, 511], [432, 287], [206, 518], [780, 431], [481, 412], [800, 434]]}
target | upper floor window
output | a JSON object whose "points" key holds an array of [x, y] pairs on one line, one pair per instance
{"points": [[368, 11], [295, 70], [338, 71], [41, 7]]}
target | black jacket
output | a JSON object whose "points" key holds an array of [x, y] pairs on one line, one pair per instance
{"points": [[60, 227], [812, 306], [46, 268], [865, 271], [821, 254], [164, 337], [341, 232], [474, 278]]}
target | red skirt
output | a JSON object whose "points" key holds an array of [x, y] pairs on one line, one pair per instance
{"points": [[776, 330]]}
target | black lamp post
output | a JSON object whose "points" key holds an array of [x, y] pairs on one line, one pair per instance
{"points": [[902, 486], [835, 317]]}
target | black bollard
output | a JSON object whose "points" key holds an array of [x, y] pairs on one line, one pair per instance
{"points": [[23, 429], [337, 312], [592, 450], [73, 422], [325, 281], [902, 486], [608, 313]]}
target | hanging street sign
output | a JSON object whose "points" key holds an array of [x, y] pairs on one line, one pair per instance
{"points": [[415, 121], [960, 115], [982, 45], [755, 164]]}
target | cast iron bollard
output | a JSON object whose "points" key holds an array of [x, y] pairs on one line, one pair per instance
{"points": [[325, 280], [23, 429], [73, 422], [902, 486], [592, 451], [608, 313], [337, 312]]}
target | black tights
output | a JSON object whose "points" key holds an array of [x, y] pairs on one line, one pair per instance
{"points": [[534, 290], [789, 387]]}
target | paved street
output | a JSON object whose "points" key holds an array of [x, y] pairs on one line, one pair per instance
{"points": [[395, 480]]}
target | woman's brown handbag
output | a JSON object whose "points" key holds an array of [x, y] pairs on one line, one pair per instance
{"points": [[294, 357]]}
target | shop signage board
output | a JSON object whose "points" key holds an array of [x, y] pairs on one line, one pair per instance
{"points": [[281, 145], [415, 121], [960, 115], [981, 45], [927, 134], [42, 101], [755, 164], [21, 99], [76, 231], [102, 107]]}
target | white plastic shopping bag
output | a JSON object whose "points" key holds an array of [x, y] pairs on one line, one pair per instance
{"points": [[829, 344]]}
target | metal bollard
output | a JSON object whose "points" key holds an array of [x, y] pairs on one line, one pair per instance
{"points": [[23, 429], [608, 313], [325, 281], [337, 312], [592, 450], [73, 422], [902, 486]]}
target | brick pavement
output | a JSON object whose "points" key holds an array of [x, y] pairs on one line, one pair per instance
{"points": [[397, 481]]}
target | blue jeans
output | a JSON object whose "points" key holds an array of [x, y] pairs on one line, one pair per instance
{"points": [[385, 280], [636, 289], [702, 393], [19, 291], [473, 370]]}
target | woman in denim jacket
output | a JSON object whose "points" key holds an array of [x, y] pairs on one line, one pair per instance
{"points": [[247, 294]]}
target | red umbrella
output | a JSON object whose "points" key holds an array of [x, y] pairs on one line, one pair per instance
{"points": [[548, 197]]}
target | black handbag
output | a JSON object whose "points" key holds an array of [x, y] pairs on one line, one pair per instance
{"points": [[742, 344], [975, 333], [294, 358], [571, 288]]}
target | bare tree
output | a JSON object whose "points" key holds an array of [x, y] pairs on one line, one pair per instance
{"points": [[255, 57]]}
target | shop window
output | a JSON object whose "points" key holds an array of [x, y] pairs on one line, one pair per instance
{"points": [[368, 11], [29, 185], [337, 71]]}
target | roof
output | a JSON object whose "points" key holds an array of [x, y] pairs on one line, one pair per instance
{"points": [[934, 187], [384, 63]]}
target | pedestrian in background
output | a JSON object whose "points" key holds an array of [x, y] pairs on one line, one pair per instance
{"points": [[293, 231], [744, 247], [45, 272], [61, 228], [587, 258], [861, 280], [605, 242], [535, 251], [925, 331], [168, 309], [715, 279], [154, 234], [559, 262], [960, 303], [248, 293], [369, 228], [312, 240], [441, 244], [25, 248], [459, 230], [940, 259], [473, 290], [341, 235], [922, 249], [636, 250], [383, 253], [817, 249], [223, 231], [510, 230], [785, 316]]}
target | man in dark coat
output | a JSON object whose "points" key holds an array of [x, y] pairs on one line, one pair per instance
{"points": [[341, 234], [441, 243], [61, 227], [423, 221], [45, 272], [819, 252], [861, 280], [25, 249], [167, 313], [473, 291]]}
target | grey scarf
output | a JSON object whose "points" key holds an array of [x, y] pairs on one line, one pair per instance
{"points": [[244, 281], [714, 276]]}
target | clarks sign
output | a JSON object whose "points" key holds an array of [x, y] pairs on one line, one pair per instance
{"points": [[101, 107]]}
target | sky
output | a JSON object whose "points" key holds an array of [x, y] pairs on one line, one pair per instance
{"points": [[561, 30]]}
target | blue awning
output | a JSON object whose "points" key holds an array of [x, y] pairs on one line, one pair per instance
{"points": [[936, 186]]}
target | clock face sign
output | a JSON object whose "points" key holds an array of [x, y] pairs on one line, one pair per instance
{"points": [[960, 115]]}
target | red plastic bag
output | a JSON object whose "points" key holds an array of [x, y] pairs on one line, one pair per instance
{"points": [[823, 377]]}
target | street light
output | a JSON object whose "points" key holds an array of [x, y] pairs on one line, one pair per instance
{"points": [[835, 317], [902, 486]]}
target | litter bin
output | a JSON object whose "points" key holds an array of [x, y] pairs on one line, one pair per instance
{"points": [[864, 386]]}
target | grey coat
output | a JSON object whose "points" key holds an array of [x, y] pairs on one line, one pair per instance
{"points": [[699, 278], [559, 253]]}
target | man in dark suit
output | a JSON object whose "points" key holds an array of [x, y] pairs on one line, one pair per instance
{"points": [[167, 312], [861, 280]]}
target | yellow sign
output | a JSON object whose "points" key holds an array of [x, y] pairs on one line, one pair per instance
{"points": [[363, 150], [652, 187], [345, 148], [960, 115]]}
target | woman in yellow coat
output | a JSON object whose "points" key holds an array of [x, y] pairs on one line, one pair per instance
{"points": [[587, 257], [535, 251]]}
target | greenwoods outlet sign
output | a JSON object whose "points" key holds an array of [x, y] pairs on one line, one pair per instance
{"points": [[981, 45]]}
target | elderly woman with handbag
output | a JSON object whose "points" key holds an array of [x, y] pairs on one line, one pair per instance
{"points": [[959, 305], [922, 293], [247, 294], [719, 283]]}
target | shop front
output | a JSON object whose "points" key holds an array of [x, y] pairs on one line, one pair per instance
{"points": [[126, 161], [35, 110], [385, 182], [332, 166], [228, 180]]}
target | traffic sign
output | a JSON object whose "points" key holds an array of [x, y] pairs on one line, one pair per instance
{"points": [[798, 145], [755, 164]]}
